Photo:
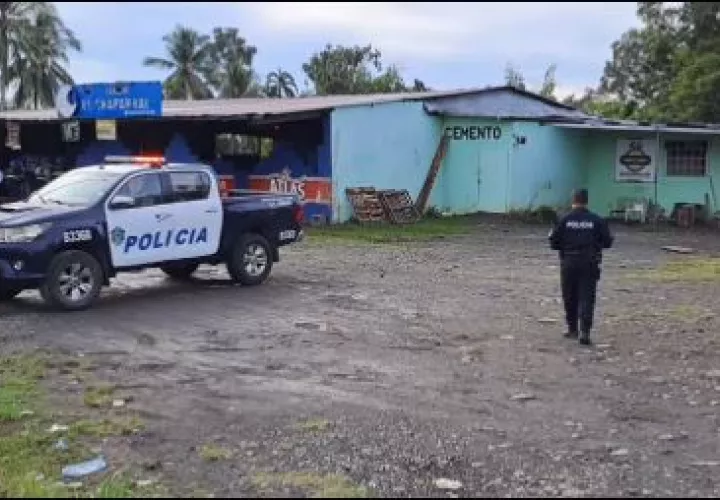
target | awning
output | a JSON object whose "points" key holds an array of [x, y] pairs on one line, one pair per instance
{"points": [[650, 129]]}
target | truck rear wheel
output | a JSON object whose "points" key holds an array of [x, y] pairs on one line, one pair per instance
{"points": [[251, 260], [73, 281], [179, 271]]}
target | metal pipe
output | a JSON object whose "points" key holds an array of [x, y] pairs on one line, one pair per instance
{"points": [[657, 173]]}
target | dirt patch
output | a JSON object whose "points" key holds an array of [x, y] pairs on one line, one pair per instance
{"points": [[382, 368]]}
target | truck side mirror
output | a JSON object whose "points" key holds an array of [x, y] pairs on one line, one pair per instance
{"points": [[120, 202]]}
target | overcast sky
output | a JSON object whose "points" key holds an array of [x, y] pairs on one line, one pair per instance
{"points": [[447, 45]]}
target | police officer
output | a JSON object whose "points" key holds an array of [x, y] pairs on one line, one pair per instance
{"points": [[580, 237]]}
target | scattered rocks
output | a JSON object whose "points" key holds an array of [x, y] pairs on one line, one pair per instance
{"points": [[620, 452], [523, 396], [307, 325], [61, 445], [548, 321], [56, 428], [676, 249], [447, 484], [713, 374], [705, 463]]}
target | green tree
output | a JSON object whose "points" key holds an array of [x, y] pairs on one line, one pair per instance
{"points": [[549, 83], [652, 67], [514, 78], [189, 59], [595, 103], [280, 83], [694, 92], [38, 70], [17, 38], [352, 70], [232, 60]]}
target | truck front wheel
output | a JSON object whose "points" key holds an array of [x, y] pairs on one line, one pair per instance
{"points": [[73, 281], [251, 260]]}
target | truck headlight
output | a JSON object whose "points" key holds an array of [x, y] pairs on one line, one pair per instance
{"points": [[22, 234]]}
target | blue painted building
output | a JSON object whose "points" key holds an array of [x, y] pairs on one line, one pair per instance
{"points": [[507, 149]]}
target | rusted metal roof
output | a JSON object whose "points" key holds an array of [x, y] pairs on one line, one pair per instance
{"points": [[245, 107]]}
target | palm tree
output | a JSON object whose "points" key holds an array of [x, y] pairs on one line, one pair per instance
{"points": [[232, 60], [239, 81], [189, 59], [280, 83], [39, 70], [15, 21]]}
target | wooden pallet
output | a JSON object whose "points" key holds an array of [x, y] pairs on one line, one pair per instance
{"points": [[399, 206], [366, 204]]}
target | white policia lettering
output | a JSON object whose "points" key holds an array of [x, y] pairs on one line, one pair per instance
{"points": [[573, 224], [170, 238]]}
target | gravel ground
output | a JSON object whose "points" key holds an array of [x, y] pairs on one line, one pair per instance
{"points": [[394, 367]]}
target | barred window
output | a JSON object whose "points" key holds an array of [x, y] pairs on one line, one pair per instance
{"points": [[686, 158]]}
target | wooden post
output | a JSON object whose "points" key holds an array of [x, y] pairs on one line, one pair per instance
{"points": [[424, 196]]}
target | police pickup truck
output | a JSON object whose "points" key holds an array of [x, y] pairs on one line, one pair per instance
{"points": [[130, 213]]}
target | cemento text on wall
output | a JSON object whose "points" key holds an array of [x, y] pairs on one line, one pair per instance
{"points": [[474, 133]]}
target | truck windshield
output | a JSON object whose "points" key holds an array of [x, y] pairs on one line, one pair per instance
{"points": [[81, 186]]}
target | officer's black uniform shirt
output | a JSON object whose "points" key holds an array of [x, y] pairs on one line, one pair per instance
{"points": [[580, 236]]}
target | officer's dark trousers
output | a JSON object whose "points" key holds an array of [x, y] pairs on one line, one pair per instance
{"points": [[579, 285]]}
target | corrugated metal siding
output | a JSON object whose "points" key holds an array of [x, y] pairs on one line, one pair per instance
{"points": [[502, 103], [247, 106], [490, 102]]}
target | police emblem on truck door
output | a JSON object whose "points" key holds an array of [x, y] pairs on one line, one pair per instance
{"points": [[117, 236]]}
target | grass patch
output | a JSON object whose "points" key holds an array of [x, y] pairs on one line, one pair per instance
{"points": [[687, 312], [19, 378], [316, 485], [423, 230], [315, 425], [685, 270], [125, 426], [215, 453], [30, 464], [99, 397]]}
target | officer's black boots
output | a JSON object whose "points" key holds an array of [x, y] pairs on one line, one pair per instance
{"points": [[585, 339], [571, 334]]}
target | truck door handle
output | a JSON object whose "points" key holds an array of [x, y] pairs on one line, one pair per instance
{"points": [[162, 216], [211, 211]]}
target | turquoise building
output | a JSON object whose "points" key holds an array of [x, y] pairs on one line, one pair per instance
{"points": [[514, 150], [507, 149]]}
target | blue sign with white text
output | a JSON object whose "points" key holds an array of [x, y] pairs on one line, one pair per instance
{"points": [[108, 101]]}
